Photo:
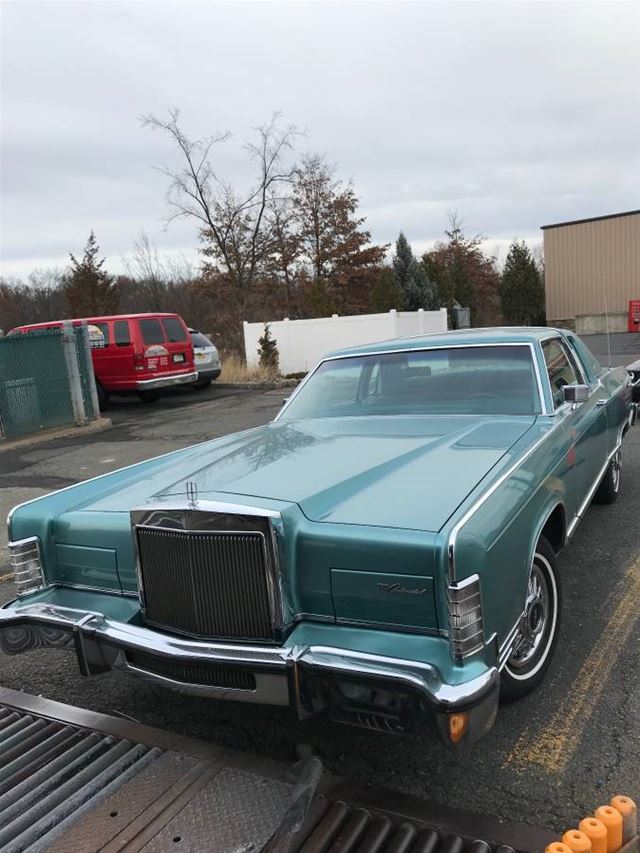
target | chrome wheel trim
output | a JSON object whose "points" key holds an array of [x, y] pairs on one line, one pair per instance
{"points": [[541, 611], [616, 464]]}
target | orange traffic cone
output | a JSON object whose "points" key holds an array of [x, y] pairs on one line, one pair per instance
{"points": [[577, 840], [597, 833], [629, 812], [612, 819]]}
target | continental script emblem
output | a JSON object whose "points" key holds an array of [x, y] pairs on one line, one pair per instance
{"points": [[403, 590]]}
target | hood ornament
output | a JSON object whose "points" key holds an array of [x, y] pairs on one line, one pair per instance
{"points": [[192, 494]]}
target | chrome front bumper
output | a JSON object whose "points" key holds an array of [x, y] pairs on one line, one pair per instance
{"points": [[167, 381], [282, 673]]}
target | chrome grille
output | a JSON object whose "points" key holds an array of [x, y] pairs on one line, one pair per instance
{"points": [[206, 583]]}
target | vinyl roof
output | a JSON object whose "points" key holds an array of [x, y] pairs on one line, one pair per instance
{"points": [[458, 337]]}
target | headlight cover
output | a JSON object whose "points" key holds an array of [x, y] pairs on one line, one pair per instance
{"points": [[25, 559], [466, 628]]}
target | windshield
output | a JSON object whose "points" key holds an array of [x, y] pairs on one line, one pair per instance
{"points": [[200, 340], [473, 380]]}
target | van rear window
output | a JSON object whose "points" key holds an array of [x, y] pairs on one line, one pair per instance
{"points": [[176, 333], [151, 331], [121, 333]]}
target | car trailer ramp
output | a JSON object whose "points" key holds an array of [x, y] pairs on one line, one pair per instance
{"points": [[73, 781]]}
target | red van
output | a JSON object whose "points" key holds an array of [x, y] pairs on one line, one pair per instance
{"points": [[135, 353]]}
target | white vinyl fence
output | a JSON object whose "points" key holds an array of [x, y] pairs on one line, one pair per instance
{"points": [[302, 343]]}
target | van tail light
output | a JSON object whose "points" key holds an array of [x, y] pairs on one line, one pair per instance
{"points": [[138, 361]]}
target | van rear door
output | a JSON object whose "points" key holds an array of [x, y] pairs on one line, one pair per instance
{"points": [[166, 347]]}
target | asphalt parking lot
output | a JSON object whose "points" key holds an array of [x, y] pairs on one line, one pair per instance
{"points": [[550, 758]]}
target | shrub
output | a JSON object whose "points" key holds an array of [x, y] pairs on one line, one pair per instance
{"points": [[268, 355]]}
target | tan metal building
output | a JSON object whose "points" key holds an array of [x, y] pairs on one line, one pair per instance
{"points": [[592, 265]]}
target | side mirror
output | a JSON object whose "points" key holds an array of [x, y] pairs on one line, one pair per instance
{"points": [[575, 393], [285, 401]]}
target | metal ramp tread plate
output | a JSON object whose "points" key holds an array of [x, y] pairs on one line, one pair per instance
{"points": [[70, 790], [72, 781]]}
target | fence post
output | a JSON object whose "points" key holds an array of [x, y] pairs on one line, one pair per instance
{"points": [[73, 372], [91, 378]]}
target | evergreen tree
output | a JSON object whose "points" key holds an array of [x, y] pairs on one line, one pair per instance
{"points": [[386, 294], [88, 287], [521, 290], [411, 277], [268, 355]]}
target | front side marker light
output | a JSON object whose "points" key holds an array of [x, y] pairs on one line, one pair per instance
{"points": [[466, 629], [25, 560]]}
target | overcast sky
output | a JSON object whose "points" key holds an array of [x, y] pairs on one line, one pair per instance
{"points": [[513, 114]]}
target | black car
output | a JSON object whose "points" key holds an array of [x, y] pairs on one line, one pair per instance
{"points": [[634, 372]]}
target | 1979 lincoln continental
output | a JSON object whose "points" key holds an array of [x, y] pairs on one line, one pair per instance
{"points": [[383, 551]]}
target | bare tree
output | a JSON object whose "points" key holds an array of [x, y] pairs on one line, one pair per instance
{"points": [[285, 252], [233, 226]]}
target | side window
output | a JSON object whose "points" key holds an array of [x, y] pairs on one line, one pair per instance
{"points": [[559, 368], [151, 331], [591, 363], [98, 335], [176, 332], [121, 334]]}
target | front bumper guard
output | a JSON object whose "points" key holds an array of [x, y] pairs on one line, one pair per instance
{"points": [[282, 673]]}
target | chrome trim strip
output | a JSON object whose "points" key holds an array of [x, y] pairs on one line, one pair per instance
{"points": [[389, 626], [167, 380], [585, 503], [529, 344], [506, 647], [96, 628], [490, 491], [204, 506]]}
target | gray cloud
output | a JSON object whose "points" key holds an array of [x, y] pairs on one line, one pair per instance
{"points": [[514, 114]]}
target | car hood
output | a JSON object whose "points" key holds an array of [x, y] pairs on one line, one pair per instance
{"points": [[408, 472]]}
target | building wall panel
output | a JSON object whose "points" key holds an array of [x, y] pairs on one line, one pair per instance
{"points": [[587, 263]]}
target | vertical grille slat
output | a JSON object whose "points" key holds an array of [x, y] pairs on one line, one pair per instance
{"points": [[206, 583]]}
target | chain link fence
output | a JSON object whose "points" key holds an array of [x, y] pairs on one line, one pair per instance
{"points": [[46, 381]]}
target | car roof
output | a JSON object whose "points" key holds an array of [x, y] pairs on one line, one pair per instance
{"points": [[456, 337]]}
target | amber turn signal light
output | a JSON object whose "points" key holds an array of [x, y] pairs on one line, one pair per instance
{"points": [[457, 727]]}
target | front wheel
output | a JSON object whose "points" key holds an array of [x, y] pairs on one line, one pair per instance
{"points": [[538, 630], [609, 488]]}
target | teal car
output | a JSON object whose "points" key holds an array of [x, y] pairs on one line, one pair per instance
{"points": [[384, 551]]}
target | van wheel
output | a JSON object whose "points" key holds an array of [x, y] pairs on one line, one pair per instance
{"points": [[104, 398], [149, 396], [202, 383], [538, 631], [609, 488]]}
